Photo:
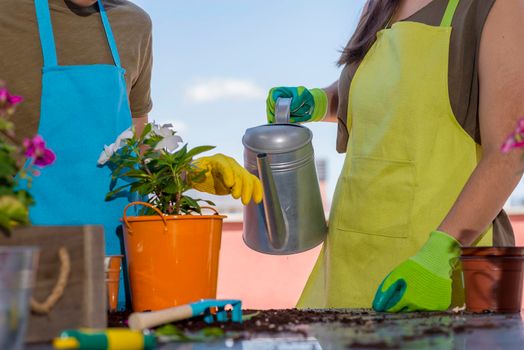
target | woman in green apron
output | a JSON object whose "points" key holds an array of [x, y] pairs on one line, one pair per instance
{"points": [[428, 93]]}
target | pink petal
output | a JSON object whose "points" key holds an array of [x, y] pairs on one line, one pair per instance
{"points": [[14, 100], [507, 146], [29, 149], [520, 123], [3, 95], [47, 158], [38, 142], [519, 144]]}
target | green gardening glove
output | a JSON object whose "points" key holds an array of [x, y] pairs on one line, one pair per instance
{"points": [[306, 105], [423, 282]]}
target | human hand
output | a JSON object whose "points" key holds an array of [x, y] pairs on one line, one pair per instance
{"points": [[225, 176], [423, 282], [306, 105]]}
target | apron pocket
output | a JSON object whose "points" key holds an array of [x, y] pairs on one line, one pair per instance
{"points": [[377, 197]]}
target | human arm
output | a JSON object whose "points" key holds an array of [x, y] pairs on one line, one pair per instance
{"points": [[140, 92], [501, 105], [139, 122], [332, 105]]}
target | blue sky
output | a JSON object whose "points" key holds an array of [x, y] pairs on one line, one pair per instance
{"points": [[215, 60]]}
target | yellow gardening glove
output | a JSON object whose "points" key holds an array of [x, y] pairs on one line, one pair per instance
{"points": [[225, 176]]}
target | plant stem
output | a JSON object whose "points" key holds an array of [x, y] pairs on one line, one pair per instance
{"points": [[178, 196]]}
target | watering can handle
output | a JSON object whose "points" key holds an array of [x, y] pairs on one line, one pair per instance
{"points": [[283, 110], [132, 204]]}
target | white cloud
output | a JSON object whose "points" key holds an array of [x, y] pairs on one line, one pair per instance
{"points": [[224, 88]]}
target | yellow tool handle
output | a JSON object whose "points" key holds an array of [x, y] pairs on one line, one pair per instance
{"points": [[143, 320]]}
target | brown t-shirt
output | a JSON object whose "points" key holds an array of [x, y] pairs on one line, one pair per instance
{"points": [[463, 78], [80, 39]]}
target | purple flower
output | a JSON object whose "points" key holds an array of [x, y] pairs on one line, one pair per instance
{"points": [[8, 102], [35, 148]]}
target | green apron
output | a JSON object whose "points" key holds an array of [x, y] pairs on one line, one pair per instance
{"points": [[407, 162]]}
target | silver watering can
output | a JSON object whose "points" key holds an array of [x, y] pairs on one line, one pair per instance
{"points": [[291, 218]]}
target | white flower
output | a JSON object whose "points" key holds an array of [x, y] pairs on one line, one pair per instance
{"points": [[112, 148], [123, 137], [169, 143], [106, 154], [164, 130]]}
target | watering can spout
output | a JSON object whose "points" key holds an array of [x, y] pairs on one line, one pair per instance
{"points": [[274, 217]]}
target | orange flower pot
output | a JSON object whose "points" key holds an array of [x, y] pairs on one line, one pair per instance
{"points": [[171, 260], [113, 265]]}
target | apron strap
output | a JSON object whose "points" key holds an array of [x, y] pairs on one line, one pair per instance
{"points": [[109, 35], [47, 40], [45, 29], [450, 12]]}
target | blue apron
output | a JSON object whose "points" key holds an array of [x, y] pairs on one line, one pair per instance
{"points": [[83, 107]]}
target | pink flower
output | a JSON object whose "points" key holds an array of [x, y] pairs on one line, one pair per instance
{"points": [[8, 102], [516, 139], [35, 148]]}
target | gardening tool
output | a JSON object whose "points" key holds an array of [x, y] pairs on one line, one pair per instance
{"points": [[290, 218], [108, 339], [143, 320]]}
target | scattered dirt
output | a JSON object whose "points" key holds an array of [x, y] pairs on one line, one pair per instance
{"points": [[362, 328]]}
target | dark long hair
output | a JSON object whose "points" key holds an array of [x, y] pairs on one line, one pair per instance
{"points": [[375, 17]]}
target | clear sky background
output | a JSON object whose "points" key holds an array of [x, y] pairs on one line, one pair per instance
{"points": [[215, 60]]}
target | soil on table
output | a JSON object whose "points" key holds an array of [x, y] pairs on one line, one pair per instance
{"points": [[364, 328], [267, 320]]}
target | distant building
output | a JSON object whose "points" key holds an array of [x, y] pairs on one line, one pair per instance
{"points": [[322, 171]]}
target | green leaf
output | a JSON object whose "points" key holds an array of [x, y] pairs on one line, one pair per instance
{"points": [[170, 333], [213, 332], [171, 188], [197, 150], [116, 191], [192, 203], [136, 174], [13, 211], [207, 202], [180, 154], [250, 316]]}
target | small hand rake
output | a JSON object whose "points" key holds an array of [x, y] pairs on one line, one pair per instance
{"points": [[212, 310]]}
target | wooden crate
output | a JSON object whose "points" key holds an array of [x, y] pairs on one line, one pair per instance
{"points": [[83, 302]]}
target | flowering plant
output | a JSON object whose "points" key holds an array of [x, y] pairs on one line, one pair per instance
{"points": [[18, 161], [154, 166]]}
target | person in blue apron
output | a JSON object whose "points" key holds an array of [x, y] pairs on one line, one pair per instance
{"points": [[82, 108]]}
